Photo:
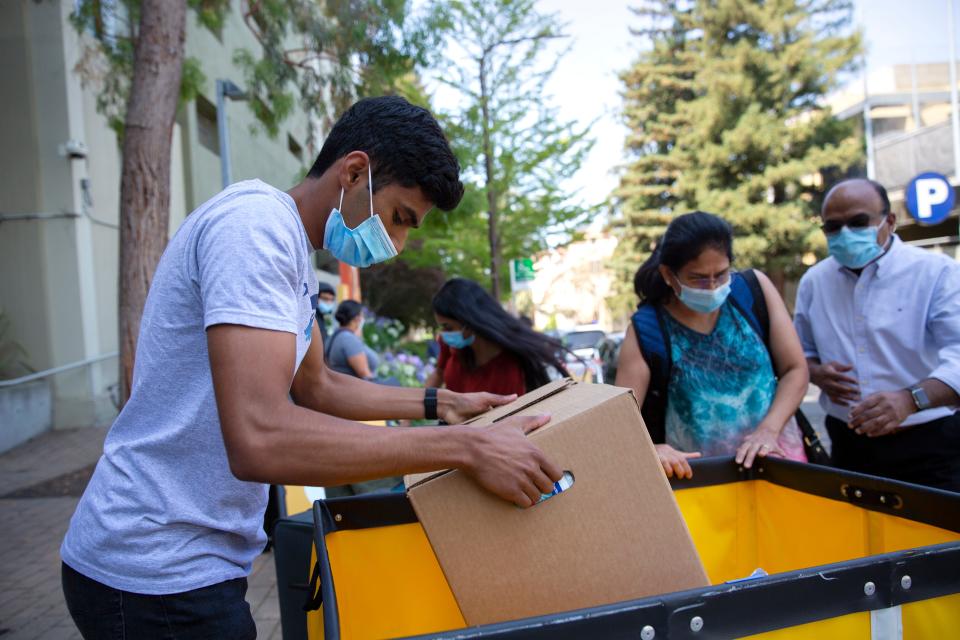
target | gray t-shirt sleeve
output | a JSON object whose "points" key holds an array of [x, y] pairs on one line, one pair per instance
{"points": [[248, 268]]}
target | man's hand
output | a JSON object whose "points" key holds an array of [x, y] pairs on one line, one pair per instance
{"points": [[503, 461], [675, 463], [762, 442], [881, 413], [454, 408], [840, 388]]}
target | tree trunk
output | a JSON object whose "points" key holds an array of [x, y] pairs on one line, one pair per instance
{"points": [[145, 177], [491, 191]]}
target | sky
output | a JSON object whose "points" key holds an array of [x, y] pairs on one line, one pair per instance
{"points": [[587, 89]]}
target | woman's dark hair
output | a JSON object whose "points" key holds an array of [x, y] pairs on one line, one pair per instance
{"points": [[406, 146], [347, 311], [469, 304], [685, 239]]}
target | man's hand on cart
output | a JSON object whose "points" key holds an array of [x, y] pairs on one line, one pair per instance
{"points": [[503, 461]]}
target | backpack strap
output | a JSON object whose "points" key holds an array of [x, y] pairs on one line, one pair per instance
{"points": [[654, 342], [747, 296], [328, 347]]}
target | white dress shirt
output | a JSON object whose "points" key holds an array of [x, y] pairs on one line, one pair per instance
{"points": [[898, 323]]}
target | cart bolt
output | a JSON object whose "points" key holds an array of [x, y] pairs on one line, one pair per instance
{"points": [[857, 493], [883, 499], [696, 623], [906, 582], [869, 589], [648, 633], [338, 517]]}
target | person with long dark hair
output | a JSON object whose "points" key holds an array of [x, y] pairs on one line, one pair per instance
{"points": [[716, 376], [482, 347]]}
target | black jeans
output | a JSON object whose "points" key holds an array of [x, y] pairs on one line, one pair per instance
{"points": [[927, 454], [101, 612]]}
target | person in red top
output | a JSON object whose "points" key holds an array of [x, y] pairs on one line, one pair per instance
{"points": [[484, 348]]}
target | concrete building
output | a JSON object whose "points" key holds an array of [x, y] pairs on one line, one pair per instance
{"points": [[908, 109], [573, 283], [59, 193]]}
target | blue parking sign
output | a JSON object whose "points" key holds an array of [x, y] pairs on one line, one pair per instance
{"points": [[930, 198]]}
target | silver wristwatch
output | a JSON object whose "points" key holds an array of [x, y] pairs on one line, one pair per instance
{"points": [[920, 398]]}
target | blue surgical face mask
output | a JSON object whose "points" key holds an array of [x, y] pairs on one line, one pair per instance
{"points": [[368, 244], [326, 307], [855, 248], [703, 300], [456, 340]]}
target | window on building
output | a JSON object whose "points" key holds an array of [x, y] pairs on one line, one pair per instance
{"points": [[295, 149], [888, 126], [207, 125]]}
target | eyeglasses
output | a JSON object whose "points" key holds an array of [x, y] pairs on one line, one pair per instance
{"points": [[707, 283], [859, 221]]}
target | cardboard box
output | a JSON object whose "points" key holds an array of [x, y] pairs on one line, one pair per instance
{"points": [[615, 535]]}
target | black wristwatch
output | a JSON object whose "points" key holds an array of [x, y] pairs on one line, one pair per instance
{"points": [[430, 403], [920, 398]]}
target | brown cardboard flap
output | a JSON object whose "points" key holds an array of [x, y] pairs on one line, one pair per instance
{"points": [[526, 400]]}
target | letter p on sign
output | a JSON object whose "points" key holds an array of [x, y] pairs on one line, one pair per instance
{"points": [[930, 198]]}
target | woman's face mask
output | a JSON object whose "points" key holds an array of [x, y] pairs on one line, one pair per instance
{"points": [[704, 300], [368, 244], [456, 340]]}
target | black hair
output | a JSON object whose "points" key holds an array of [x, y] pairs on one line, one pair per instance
{"points": [[879, 188], [469, 304], [326, 287], [406, 146], [685, 239], [347, 311]]}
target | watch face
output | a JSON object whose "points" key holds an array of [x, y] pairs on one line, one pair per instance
{"points": [[920, 398]]}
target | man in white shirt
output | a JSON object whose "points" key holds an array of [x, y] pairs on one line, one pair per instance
{"points": [[879, 321]]}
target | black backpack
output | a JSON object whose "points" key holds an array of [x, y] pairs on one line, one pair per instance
{"points": [[747, 297]]}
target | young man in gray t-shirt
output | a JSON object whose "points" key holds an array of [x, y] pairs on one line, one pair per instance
{"points": [[166, 532]]}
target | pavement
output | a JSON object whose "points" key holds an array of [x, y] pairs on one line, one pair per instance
{"points": [[40, 483]]}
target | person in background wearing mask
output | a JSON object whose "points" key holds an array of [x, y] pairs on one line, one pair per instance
{"points": [[484, 348], [347, 352], [715, 388], [879, 321], [230, 391], [326, 305]]}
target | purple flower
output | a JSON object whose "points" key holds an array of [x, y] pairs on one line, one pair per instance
{"points": [[416, 361], [404, 358]]}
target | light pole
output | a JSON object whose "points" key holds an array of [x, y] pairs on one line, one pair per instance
{"points": [[225, 89]]}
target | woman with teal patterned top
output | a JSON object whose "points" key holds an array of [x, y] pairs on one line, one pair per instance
{"points": [[726, 393]]}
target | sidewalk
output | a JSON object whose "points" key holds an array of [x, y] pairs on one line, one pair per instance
{"points": [[40, 483]]}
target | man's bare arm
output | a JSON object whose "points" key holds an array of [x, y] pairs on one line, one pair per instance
{"points": [[318, 387], [270, 439]]}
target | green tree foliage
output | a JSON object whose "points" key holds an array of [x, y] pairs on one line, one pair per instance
{"points": [[515, 152], [725, 112], [316, 55]]}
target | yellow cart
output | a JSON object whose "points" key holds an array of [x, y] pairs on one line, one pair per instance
{"points": [[848, 556]]}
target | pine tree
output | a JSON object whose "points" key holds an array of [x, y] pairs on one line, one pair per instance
{"points": [[726, 115]]}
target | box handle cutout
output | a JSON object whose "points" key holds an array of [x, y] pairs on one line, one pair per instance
{"points": [[565, 482]]}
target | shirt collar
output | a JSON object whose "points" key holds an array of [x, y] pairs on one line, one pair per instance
{"points": [[888, 260]]}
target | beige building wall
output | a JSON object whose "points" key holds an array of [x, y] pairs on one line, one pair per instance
{"points": [[59, 238]]}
